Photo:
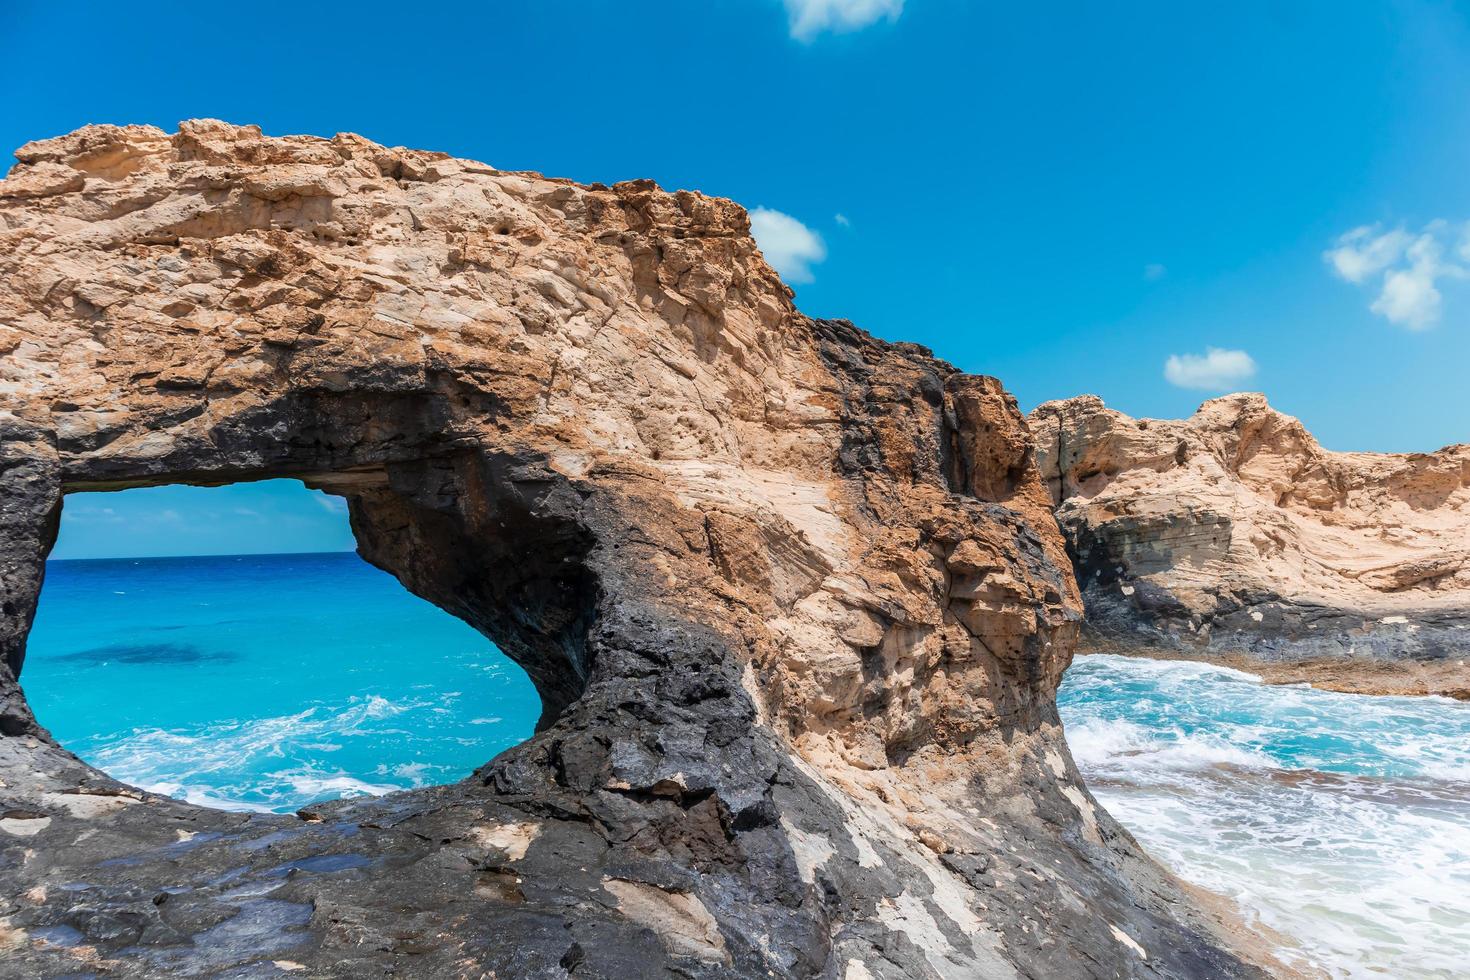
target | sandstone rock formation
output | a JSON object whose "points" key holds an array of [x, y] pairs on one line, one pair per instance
{"points": [[1234, 533], [792, 597]]}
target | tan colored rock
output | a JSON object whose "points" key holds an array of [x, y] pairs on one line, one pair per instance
{"points": [[792, 596], [1233, 531]]}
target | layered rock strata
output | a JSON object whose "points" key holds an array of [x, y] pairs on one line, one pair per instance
{"points": [[792, 597], [1233, 534]]}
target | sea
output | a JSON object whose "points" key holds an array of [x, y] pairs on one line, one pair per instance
{"points": [[1340, 821], [267, 682]]}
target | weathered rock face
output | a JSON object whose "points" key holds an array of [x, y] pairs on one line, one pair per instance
{"points": [[1233, 531], [792, 597]]}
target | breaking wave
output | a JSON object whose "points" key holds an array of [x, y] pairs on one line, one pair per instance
{"points": [[271, 764], [1340, 821]]}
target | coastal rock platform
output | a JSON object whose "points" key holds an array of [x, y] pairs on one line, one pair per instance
{"points": [[1234, 536]]}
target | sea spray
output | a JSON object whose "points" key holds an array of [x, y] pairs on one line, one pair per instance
{"points": [[1341, 821]]}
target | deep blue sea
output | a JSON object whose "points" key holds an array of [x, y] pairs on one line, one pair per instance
{"points": [[266, 682]]}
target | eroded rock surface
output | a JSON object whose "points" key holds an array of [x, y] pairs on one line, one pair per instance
{"points": [[1233, 533], [792, 596]]}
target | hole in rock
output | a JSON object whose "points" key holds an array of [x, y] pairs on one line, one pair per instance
{"points": [[223, 645]]}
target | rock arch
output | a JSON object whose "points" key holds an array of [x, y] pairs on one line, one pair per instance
{"points": [[792, 596]]}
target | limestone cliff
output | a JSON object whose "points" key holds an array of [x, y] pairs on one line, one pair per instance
{"points": [[1234, 533], [792, 597]]}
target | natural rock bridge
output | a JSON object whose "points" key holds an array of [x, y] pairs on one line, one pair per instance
{"points": [[792, 597]]}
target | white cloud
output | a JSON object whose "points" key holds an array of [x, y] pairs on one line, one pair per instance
{"points": [[330, 503], [1411, 266], [1363, 252], [790, 246], [1409, 297], [1214, 370], [811, 17], [842, 220], [1153, 272]]}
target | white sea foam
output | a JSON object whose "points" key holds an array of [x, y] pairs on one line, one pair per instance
{"points": [[235, 765], [315, 784], [1340, 821], [1103, 741], [1174, 671], [204, 796]]}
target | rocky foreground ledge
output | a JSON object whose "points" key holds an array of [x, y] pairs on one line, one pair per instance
{"points": [[1233, 536], [792, 597]]}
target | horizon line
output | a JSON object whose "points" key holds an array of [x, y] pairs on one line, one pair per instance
{"points": [[219, 554]]}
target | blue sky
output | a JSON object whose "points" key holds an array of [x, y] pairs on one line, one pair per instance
{"points": [[1151, 201], [272, 516]]}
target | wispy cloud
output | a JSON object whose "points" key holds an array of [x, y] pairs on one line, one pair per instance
{"points": [[790, 246], [329, 503], [1214, 370], [842, 220], [88, 514], [1364, 252], [1411, 266], [1153, 272], [812, 17]]}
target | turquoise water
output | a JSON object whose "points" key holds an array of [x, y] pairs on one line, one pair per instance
{"points": [[1341, 821], [266, 682]]}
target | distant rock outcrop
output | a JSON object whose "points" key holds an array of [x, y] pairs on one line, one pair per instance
{"points": [[793, 597], [1234, 534]]}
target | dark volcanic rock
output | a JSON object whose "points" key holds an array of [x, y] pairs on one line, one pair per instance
{"points": [[791, 596]]}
